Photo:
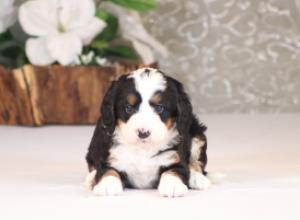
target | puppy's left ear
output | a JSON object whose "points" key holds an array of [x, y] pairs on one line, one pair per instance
{"points": [[184, 109], [108, 118], [102, 137]]}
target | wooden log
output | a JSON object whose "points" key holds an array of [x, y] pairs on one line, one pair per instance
{"points": [[55, 94], [15, 107]]}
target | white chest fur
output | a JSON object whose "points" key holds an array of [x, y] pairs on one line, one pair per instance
{"points": [[140, 163]]}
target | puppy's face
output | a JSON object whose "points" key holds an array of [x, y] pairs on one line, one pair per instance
{"points": [[145, 109]]}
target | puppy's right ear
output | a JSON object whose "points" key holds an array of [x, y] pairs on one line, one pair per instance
{"points": [[108, 118], [102, 137]]}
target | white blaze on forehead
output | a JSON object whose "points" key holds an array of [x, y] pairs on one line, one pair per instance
{"points": [[147, 83]]}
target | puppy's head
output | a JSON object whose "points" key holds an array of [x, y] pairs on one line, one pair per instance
{"points": [[146, 108]]}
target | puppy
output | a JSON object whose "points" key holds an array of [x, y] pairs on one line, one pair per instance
{"points": [[147, 137]]}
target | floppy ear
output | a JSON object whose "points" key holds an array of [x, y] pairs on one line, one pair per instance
{"points": [[184, 117], [108, 118], [102, 137], [184, 109]]}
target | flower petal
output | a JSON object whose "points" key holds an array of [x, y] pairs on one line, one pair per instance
{"points": [[6, 22], [64, 47], [76, 13], [156, 45], [139, 32], [3, 27], [38, 18], [8, 14], [132, 27], [37, 52], [144, 51], [90, 31]]}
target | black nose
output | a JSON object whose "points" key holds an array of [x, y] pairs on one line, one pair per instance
{"points": [[143, 134]]}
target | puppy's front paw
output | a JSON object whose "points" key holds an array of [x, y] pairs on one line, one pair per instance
{"points": [[109, 186], [171, 185], [198, 181]]}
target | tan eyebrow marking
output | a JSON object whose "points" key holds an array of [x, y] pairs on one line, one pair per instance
{"points": [[131, 99], [156, 99], [170, 123]]}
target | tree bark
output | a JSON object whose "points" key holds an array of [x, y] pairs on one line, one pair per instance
{"points": [[36, 96]]}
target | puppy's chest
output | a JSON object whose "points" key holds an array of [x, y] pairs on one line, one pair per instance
{"points": [[141, 165]]}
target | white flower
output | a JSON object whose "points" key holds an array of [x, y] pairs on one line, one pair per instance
{"points": [[84, 59], [62, 27], [132, 29], [87, 59], [101, 61], [8, 14]]}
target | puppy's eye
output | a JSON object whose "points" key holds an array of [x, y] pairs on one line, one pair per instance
{"points": [[159, 108], [129, 109]]}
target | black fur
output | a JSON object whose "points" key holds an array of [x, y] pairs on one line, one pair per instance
{"points": [[179, 108]]}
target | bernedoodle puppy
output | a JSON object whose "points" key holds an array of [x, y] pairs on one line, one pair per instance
{"points": [[147, 137]]}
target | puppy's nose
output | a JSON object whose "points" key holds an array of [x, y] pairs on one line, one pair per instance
{"points": [[142, 133]]}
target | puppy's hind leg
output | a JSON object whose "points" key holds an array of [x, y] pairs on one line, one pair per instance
{"points": [[198, 180], [198, 159]]}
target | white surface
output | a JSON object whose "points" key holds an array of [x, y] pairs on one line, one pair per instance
{"points": [[42, 171]]}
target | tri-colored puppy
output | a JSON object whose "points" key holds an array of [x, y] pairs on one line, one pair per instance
{"points": [[147, 137]]}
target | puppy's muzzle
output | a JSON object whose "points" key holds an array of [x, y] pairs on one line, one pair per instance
{"points": [[143, 134]]}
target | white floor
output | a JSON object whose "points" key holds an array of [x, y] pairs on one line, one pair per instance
{"points": [[42, 170]]}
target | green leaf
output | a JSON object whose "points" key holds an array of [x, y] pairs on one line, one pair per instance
{"points": [[12, 54], [6, 61], [6, 45], [5, 37], [139, 5], [99, 44], [122, 51], [112, 25], [21, 59]]}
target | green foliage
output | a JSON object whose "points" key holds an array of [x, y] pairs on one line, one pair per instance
{"points": [[101, 45], [139, 5], [122, 51], [12, 54], [112, 25]]}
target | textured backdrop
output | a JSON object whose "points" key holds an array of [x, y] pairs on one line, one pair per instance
{"points": [[233, 55]]}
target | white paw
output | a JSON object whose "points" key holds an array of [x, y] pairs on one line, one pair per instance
{"points": [[90, 180], [108, 186], [171, 186], [198, 181]]}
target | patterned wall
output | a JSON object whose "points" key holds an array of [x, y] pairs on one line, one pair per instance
{"points": [[234, 56]]}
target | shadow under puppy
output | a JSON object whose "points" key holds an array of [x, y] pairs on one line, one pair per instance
{"points": [[147, 137]]}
